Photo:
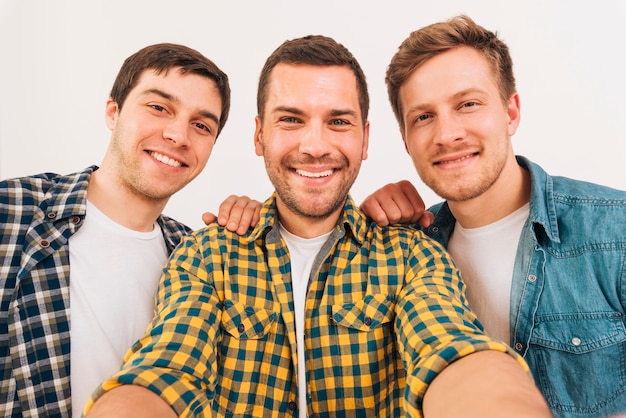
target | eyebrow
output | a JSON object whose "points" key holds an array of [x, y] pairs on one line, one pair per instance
{"points": [[174, 99], [334, 112], [455, 96]]}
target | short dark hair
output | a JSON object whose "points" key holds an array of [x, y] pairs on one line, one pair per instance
{"points": [[313, 50], [163, 57]]}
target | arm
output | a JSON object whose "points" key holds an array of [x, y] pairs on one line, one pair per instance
{"points": [[397, 203], [484, 384], [453, 367], [131, 401], [236, 213]]}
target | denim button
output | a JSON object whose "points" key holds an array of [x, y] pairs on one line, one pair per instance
{"points": [[518, 346], [576, 341], [532, 278]]}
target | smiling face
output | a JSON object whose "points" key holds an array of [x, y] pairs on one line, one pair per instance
{"points": [[456, 127], [163, 135], [313, 141]]}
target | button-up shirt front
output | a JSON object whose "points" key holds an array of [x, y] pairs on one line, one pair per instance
{"points": [[385, 313]]}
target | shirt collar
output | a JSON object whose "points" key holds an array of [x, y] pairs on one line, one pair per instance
{"points": [[351, 221]]}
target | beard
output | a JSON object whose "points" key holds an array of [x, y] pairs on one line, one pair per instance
{"points": [[463, 185], [314, 203]]}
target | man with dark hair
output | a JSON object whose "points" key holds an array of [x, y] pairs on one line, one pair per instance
{"points": [[317, 311], [78, 290]]}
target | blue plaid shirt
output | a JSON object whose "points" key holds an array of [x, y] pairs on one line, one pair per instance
{"points": [[385, 313], [38, 215]]}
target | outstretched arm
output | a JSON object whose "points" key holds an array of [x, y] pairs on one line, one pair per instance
{"points": [[484, 384], [236, 213], [397, 203], [129, 401]]}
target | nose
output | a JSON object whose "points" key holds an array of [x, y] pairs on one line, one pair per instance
{"points": [[315, 141], [449, 129], [176, 131]]}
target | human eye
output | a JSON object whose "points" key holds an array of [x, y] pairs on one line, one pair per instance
{"points": [[157, 107], [289, 119], [339, 122], [203, 127]]}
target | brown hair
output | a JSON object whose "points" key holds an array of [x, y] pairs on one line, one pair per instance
{"points": [[313, 50], [163, 57], [429, 41]]}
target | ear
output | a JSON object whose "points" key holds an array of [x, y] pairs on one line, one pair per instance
{"points": [[111, 113], [514, 114], [366, 140], [258, 136]]}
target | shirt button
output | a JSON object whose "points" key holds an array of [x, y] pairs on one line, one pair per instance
{"points": [[532, 278], [518, 346], [75, 220], [241, 328], [576, 341], [44, 243], [292, 406], [435, 229], [51, 215], [368, 321]]}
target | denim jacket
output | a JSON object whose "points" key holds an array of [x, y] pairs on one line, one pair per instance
{"points": [[568, 297]]}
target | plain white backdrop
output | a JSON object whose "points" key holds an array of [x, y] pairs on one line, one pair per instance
{"points": [[59, 60]]}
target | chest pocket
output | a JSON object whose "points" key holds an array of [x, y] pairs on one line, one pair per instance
{"points": [[246, 322], [365, 315], [579, 360]]}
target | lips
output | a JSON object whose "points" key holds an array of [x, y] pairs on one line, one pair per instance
{"points": [[165, 159], [456, 160]]}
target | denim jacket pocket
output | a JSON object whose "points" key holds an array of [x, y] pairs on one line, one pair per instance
{"points": [[579, 360]]}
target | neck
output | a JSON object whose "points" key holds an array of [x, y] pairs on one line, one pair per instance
{"points": [[510, 192], [120, 204], [304, 226]]}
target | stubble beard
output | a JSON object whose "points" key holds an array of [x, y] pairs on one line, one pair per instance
{"points": [[312, 203]]}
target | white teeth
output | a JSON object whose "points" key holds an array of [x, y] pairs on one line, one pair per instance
{"points": [[314, 175], [456, 161], [165, 159]]}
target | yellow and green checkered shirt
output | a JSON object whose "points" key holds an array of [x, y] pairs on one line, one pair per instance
{"points": [[385, 313]]}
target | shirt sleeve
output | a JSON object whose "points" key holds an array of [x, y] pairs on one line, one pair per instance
{"points": [[176, 357], [434, 325]]}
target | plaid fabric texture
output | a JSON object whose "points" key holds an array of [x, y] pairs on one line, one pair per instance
{"points": [[38, 215], [385, 313]]}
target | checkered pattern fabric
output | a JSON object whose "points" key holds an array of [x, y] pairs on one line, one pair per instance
{"points": [[385, 313], [38, 215]]}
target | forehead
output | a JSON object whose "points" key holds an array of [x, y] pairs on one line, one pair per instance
{"points": [[450, 72], [186, 88], [303, 85]]}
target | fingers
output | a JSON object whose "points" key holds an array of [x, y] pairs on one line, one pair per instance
{"points": [[396, 203], [238, 213], [208, 218]]}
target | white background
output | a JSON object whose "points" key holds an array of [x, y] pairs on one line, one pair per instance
{"points": [[59, 59]]}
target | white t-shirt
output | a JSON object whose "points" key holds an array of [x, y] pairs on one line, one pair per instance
{"points": [[302, 252], [114, 273], [486, 257]]}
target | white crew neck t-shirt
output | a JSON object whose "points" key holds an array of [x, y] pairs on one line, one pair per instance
{"points": [[114, 273], [486, 257], [302, 252]]}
